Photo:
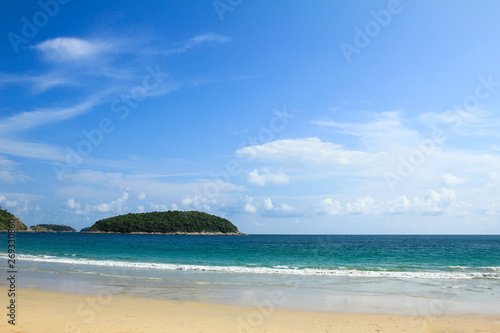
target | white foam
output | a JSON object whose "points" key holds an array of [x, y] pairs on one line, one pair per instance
{"points": [[495, 269], [265, 270]]}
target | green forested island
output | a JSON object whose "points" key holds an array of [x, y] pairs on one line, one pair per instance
{"points": [[4, 221], [52, 227], [20, 226], [170, 222]]}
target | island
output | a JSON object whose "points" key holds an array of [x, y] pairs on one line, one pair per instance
{"points": [[169, 222], [5, 216], [52, 227], [19, 226]]}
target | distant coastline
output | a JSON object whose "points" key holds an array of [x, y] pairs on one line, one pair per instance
{"points": [[153, 223], [203, 233]]}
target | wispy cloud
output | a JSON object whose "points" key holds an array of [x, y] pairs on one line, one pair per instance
{"points": [[382, 130], [474, 122], [450, 179], [9, 172], [37, 83], [70, 49], [197, 41], [30, 119], [32, 149], [12, 126]]}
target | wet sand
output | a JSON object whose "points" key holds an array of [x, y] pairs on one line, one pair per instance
{"points": [[44, 311]]}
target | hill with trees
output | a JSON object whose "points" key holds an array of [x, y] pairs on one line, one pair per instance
{"points": [[4, 221], [170, 222], [53, 227]]}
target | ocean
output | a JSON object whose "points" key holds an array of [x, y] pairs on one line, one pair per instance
{"points": [[384, 273]]}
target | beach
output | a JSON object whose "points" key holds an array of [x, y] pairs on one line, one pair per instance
{"points": [[160, 283], [43, 311]]}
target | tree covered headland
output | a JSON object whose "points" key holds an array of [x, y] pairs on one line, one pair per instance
{"points": [[56, 227], [165, 222], [4, 221]]}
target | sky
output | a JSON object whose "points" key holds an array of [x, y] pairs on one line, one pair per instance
{"points": [[288, 117]]}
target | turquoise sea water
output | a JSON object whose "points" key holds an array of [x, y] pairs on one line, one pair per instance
{"points": [[319, 272]]}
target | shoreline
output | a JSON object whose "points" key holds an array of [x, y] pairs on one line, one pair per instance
{"points": [[239, 233], [44, 311], [203, 233]]}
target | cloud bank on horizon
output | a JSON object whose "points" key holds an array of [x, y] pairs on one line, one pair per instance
{"points": [[254, 114]]}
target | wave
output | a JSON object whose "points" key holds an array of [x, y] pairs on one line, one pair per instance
{"points": [[494, 272], [495, 269]]}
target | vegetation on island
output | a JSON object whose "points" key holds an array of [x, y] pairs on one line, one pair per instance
{"points": [[38, 229], [166, 222], [20, 226], [86, 229], [52, 227], [4, 221]]}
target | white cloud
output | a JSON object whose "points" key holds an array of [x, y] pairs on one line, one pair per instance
{"points": [[30, 119], [385, 129], [141, 196], [307, 153], [10, 203], [472, 122], [155, 185], [187, 201], [328, 207], [71, 203], [115, 206], [366, 205], [432, 203], [18, 202], [265, 207], [261, 179], [32, 150], [198, 202], [70, 49], [39, 84], [140, 208], [449, 179], [9, 173], [249, 208], [198, 40], [285, 208], [268, 204], [158, 207]]}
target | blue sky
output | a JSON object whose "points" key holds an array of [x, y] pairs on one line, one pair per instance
{"points": [[285, 117]]}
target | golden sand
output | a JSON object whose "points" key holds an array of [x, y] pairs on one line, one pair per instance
{"points": [[52, 312]]}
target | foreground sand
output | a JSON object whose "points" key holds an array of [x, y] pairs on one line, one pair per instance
{"points": [[41, 311]]}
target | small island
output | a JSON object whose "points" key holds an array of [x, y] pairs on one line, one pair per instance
{"points": [[169, 222], [19, 226], [52, 228]]}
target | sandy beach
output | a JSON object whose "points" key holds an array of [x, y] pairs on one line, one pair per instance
{"points": [[42, 311]]}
